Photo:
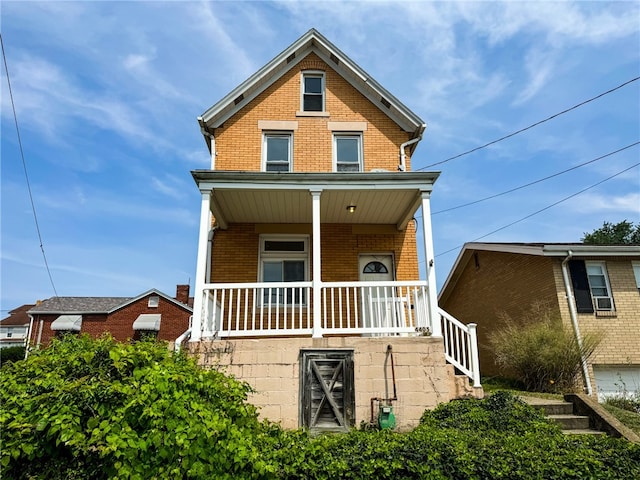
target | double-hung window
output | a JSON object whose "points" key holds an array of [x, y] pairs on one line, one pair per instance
{"points": [[347, 152], [599, 286], [284, 259], [277, 152], [313, 91]]}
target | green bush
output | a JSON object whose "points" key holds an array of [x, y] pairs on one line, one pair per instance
{"points": [[497, 438], [97, 409], [11, 354], [540, 351]]}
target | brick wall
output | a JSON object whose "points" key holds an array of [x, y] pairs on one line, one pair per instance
{"points": [[239, 140], [501, 283], [621, 343], [235, 252], [175, 320]]}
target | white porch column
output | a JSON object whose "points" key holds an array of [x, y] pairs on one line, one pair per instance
{"points": [[201, 267], [317, 266], [427, 233]]}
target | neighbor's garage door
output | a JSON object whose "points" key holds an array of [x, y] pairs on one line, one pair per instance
{"points": [[616, 380]]}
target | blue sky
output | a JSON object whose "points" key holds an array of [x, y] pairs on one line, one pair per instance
{"points": [[107, 95]]}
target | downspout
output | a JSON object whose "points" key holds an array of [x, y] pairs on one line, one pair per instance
{"points": [[209, 250], [40, 333], [403, 156], [30, 332], [212, 142], [574, 319]]}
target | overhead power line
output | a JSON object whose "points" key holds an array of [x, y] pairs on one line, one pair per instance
{"points": [[24, 165], [540, 180], [530, 126], [542, 209]]}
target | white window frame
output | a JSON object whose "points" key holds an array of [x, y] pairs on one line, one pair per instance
{"points": [[275, 134], [347, 135], [636, 273], [265, 256], [315, 74], [595, 298], [154, 301]]}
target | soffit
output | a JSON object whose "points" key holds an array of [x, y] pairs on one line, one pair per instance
{"points": [[294, 206]]}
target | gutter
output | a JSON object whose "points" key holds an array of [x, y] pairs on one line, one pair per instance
{"points": [[574, 319]]}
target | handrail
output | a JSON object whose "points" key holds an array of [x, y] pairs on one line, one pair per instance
{"points": [[461, 346]]}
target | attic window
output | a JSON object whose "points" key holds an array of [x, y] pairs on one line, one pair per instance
{"points": [[238, 99], [313, 91], [154, 301], [291, 57], [334, 59], [385, 102]]}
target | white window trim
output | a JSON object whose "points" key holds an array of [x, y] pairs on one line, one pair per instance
{"points": [[313, 73], [636, 273], [358, 135], [607, 284], [154, 301], [283, 256], [269, 134]]}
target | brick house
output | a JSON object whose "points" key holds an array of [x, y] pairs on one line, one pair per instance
{"points": [[308, 283], [125, 318], [13, 329], [589, 287]]}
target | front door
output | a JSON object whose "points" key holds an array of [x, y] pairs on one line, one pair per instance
{"points": [[379, 304], [327, 400]]}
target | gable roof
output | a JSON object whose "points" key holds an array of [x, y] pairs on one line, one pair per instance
{"points": [[559, 250], [310, 42], [17, 316], [89, 305]]}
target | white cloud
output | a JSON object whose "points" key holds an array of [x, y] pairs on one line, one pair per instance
{"points": [[623, 204]]}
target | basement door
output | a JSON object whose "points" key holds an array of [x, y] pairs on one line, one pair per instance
{"points": [[327, 400]]}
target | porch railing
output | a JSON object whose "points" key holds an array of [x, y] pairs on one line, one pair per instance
{"points": [[347, 308], [461, 346]]}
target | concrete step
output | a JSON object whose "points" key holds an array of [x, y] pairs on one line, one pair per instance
{"points": [[561, 412], [571, 422], [583, 431]]}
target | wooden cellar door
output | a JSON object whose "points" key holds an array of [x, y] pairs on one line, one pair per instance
{"points": [[326, 390]]}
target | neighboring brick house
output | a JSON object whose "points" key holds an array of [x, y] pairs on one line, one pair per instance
{"points": [[13, 329], [151, 313], [308, 281], [590, 287]]}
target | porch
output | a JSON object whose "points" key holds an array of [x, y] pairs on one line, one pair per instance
{"points": [[286, 219]]}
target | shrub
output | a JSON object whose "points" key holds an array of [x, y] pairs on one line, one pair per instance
{"points": [[11, 354], [96, 409], [496, 438], [541, 351]]}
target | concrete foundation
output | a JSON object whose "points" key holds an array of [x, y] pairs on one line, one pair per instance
{"points": [[272, 366]]}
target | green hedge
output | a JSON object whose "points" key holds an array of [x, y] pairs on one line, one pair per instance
{"points": [[96, 409], [11, 354]]}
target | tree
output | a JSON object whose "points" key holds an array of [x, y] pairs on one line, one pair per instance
{"points": [[98, 409], [622, 233]]}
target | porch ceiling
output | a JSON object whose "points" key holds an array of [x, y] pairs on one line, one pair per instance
{"points": [[380, 198]]}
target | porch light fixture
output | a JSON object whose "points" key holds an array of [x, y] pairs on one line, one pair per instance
{"points": [[351, 208]]}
